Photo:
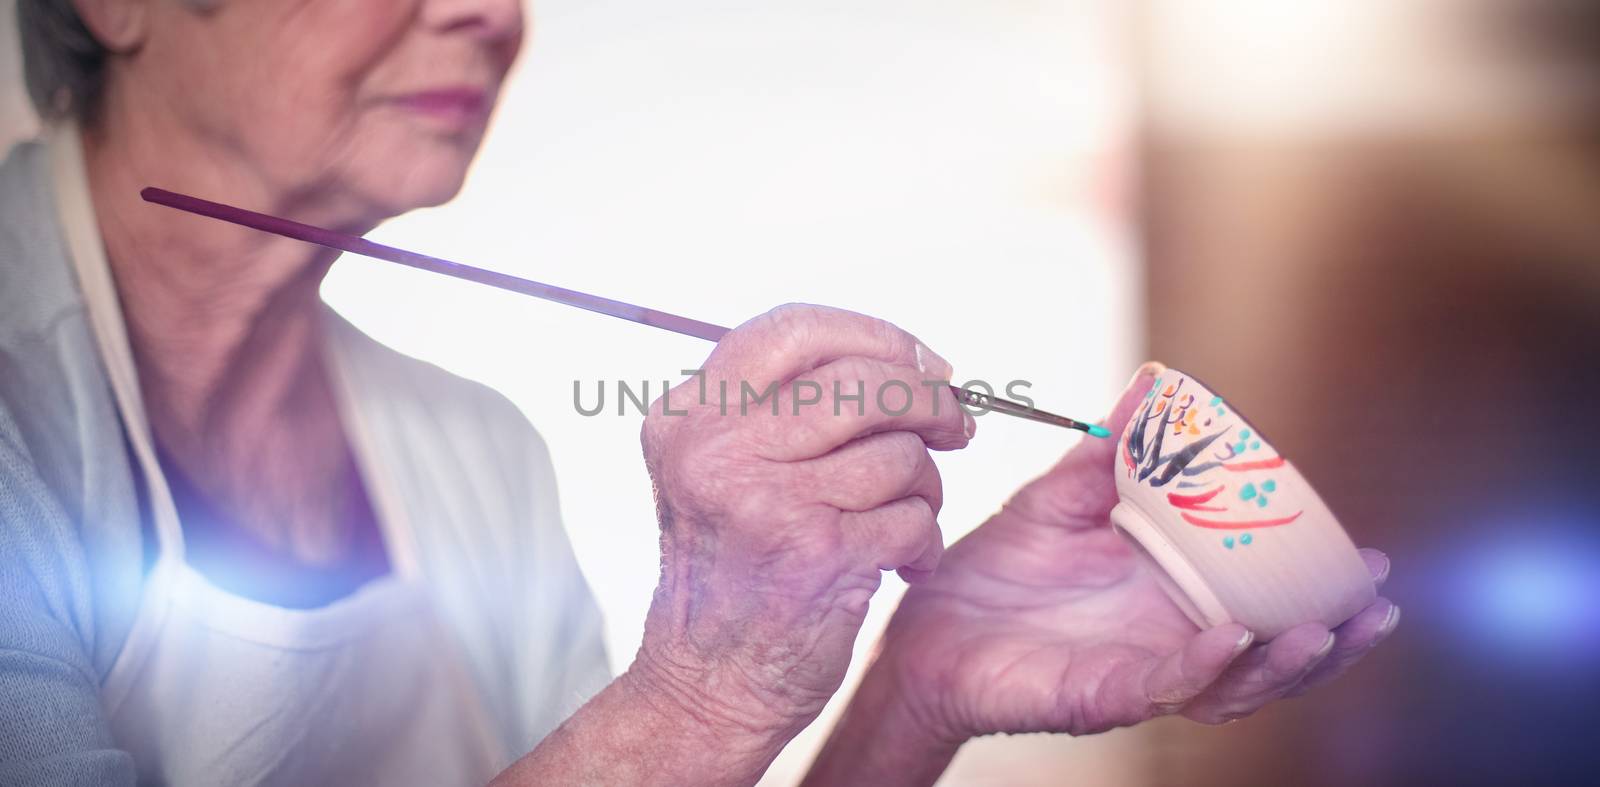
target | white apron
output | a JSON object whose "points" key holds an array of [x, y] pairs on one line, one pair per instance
{"points": [[215, 689]]}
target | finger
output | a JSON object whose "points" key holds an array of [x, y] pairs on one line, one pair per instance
{"points": [[795, 338], [1158, 686], [1080, 490], [855, 397], [1377, 565], [866, 473], [1353, 639], [1263, 675], [900, 534]]}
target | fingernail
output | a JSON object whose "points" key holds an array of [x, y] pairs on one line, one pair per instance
{"points": [[929, 362], [1327, 647], [1383, 573], [970, 422], [1389, 621], [1152, 368], [1244, 642]]}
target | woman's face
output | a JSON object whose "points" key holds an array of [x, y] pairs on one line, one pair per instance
{"points": [[350, 109]]}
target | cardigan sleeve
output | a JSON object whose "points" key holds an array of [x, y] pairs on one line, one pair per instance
{"points": [[53, 730]]}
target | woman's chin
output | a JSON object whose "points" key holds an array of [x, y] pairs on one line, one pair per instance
{"points": [[436, 193], [416, 187], [398, 167]]}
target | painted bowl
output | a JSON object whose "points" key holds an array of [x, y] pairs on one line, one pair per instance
{"points": [[1237, 532]]}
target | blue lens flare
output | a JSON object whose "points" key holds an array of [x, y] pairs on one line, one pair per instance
{"points": [[1538, 594]]}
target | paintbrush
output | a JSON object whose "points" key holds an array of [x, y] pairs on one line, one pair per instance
{"points": [[594, 303]]}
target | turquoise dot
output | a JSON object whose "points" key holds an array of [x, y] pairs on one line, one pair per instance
{"points": [[1270, 485], [1221, 412], [1238, 448], [1262, 501], [1247, 492], [1216, 400], [1244, 434], [1227, 541], [1255, 445], [1245, 539]]}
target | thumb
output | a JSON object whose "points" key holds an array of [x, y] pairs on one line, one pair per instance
{"points": [[1081, 489]]}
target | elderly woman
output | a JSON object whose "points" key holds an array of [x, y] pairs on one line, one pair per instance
{"points": [[244, 543]]}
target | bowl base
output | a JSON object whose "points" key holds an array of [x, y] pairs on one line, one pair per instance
{"points": [[1177, 577]]}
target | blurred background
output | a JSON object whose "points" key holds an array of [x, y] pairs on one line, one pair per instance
{"points": [[1375, 223]]}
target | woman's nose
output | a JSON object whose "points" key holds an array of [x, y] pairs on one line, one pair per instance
{"points": [[491, 19]]}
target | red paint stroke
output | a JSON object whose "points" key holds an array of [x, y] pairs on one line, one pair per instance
{"points": [[1195, 502], [1250, 525], [1263, 464], [1127, 456]]}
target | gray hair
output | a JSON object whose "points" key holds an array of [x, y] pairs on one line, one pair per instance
{"points": [[62, 63]]}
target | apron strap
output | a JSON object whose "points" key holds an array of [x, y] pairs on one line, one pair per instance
{"points": [[88, 256]]}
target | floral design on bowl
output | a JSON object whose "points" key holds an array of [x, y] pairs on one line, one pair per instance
{"points": [[1218, 470], [1236, 533]]}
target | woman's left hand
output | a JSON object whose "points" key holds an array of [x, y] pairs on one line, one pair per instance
{"points": [[1044, 619]]}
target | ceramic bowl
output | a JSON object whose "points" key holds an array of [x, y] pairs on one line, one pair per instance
{"points": [[1238, 534]]}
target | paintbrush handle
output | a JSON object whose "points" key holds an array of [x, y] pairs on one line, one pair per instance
{"points": [[505, 281], [367, 248]]}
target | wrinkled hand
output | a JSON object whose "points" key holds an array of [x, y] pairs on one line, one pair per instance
{"points": [[775, 527], [1045, 619]]}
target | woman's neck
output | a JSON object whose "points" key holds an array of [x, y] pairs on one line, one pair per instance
{"points": [[224, 326], [209, 306]]}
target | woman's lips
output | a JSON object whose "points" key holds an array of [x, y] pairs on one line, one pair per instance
{"points": [[457, 107]]}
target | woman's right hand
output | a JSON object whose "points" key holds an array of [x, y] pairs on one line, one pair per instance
{"points": [[775, 524]]}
